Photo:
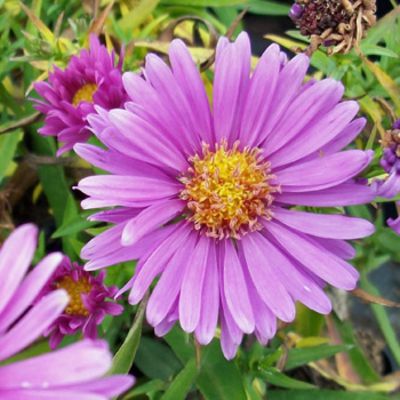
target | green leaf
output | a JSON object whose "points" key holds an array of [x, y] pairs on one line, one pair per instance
{"points": [[181, 385], [180, 343], [384, 25], [383, 319], [156, 360], [123, 359], [203, 3], [277, 378], [219, 379], [155, 385], [265, 7], [388, 239], [299, 357], [323, 395], [357, 357], [8, 147], [53, 180], [74, 225], [372, 50], [137, 14]]}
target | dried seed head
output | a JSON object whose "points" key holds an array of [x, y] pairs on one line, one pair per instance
{"points": [[338, 24]]}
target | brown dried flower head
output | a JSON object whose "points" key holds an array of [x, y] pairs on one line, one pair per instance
{"points": [[337, 24]]}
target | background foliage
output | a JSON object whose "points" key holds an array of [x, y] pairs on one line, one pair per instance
{"points": [[352, 354]]}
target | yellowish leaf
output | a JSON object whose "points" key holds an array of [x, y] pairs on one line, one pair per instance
{"points": [[385, 80], [39, 24]]}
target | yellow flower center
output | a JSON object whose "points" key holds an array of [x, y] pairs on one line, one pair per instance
{"points": [[75, 289], [228, 190], [85, 93]]}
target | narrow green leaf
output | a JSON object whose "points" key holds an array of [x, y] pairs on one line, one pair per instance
{"points": [[323, 395], [219, 379], [372, 50], [138, 14], [156, 360], [123, 359], [299, 357], [204, 3], [53, 180], [8, 146], [180, 343], [277, 378], [265, 7], [357, 357], [383, 319], [74, 225], [155, 385], [182, 383]]}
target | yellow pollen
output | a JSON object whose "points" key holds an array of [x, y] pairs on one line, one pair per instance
{"points": [[75, 290], [228, 190], [85, 93]]}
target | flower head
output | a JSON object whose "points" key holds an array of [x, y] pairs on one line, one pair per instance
{"points": [[204, 197], [338, 23], [390, 162], [73, 372], [88, 301], [91, 78]]}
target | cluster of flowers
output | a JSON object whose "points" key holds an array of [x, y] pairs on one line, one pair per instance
{"points": [[203, 197]]}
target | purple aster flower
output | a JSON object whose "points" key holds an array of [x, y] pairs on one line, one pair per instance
{"points": [[390, 162], [91, 78], [88, 303], [203, 197], [73, 372]]}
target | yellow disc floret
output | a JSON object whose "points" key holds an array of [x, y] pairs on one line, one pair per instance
{"points": [[228, 190], [75, 290], [85, 93]]}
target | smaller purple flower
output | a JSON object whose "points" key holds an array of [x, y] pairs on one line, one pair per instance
{"points": [[390, 162], [74, 372], [88, 303], [395, 223], [91, 78]]}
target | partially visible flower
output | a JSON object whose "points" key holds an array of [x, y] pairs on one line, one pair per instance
{"points": [[88, 305], [395, 223], [296, 12], [390, 162], [204, 197], [338, 23], [75, 372], [91, 78]]}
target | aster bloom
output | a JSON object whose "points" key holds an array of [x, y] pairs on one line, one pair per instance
{"points": [[88, 305], [91, 78], [74, 372], [390, 162], [203, 196], [337, 23]]}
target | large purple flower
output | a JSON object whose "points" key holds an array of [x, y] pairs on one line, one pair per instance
{"points": [[89, 301], [91, 78], [74, 372], [204, 197]]}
